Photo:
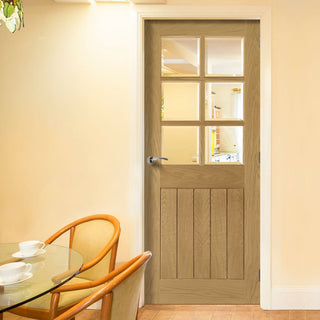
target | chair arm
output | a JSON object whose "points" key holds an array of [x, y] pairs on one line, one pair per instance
{"points": [[95, 283], [84, 304]]}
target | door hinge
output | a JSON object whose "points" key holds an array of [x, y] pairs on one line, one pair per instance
{"points": [[259, 157]]}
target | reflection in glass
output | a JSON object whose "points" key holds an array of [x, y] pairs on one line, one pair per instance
{"points": [[180, 145], [180, 101], [224, 101], [224, 56], [180, 57], [224, 144]]}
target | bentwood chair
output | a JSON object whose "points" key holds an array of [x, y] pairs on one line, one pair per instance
{"points": [[120, 296], [96, 238]]}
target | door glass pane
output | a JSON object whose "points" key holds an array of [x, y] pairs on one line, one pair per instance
{"points": [[180, 145], [224, 144], [224, 101], [180, 57], [224, 56], [180, 101]]}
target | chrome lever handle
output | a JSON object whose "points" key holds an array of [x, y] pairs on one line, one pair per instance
{"points": [[151, 160]]}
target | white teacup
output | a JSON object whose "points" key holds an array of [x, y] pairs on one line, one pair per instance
{"points": [[29, 248], [12, 272]]}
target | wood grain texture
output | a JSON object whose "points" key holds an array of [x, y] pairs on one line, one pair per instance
{"points": [[185, 233], [168, 233], [152, 174], [231, 287], [201, 233], [210, 176], [235, 234], [202, 291], [219, 233]]}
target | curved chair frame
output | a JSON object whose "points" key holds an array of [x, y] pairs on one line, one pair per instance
{"points": [[105, 293], [111, 245]]}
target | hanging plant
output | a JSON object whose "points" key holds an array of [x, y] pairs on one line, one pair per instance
{"points": [[11, 14]]}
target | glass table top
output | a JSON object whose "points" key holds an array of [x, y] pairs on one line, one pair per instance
{"points": [[51, 269]]}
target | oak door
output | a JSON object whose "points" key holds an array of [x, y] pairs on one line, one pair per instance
{"points": [[202, 204]]}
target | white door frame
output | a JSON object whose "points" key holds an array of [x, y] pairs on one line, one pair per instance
{"points": [[154, 12]]}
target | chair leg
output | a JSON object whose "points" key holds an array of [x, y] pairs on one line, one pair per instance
{"points": [[106, 307], [54, 305], [1, 315]]}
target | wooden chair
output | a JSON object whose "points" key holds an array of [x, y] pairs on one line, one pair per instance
{"points": [[120, 296], [96, 238]]}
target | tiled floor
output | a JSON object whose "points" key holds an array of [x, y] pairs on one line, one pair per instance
{"points": [[206, 312], [222, 313]]}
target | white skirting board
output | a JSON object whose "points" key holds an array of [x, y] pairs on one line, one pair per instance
{"points": [[295, 298]]}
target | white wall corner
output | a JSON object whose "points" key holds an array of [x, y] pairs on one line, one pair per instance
{"points": [[295, 298]]}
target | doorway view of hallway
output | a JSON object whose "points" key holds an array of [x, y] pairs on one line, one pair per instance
{"points": [[202, 185]]}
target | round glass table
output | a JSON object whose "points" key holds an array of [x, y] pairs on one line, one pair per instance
{"points": [[54, 266]]}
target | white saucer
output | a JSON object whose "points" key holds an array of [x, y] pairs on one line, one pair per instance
{"points": [[26, 276], [20, 255]]}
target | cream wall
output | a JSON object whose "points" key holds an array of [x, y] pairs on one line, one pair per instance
{"points": [[67, 126], [65, 122]]}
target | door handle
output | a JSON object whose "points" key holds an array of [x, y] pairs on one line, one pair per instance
{"points": [[151, 160]]}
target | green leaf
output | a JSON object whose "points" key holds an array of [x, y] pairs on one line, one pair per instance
{"points": [[5, 9], [18, 4], [10, 10]]}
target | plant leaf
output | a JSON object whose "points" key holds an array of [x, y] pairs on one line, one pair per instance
{"points": [[5, 9], [10, 10]]}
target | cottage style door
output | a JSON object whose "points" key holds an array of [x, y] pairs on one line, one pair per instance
{"points": [[202, 201]]}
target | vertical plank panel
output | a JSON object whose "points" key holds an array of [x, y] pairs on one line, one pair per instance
{"points": [[168, 233], [235, 233], [202, 233], [185, 233], [219, 233]]}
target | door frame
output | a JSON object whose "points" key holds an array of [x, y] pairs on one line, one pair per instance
{"points": [[191, 12]]}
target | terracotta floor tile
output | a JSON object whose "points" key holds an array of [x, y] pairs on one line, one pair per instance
{"points": [[165, 315], [260, 315], [222, 315], [313, 315], [147, 314], [204, 315], [193, 315], [279, 315], [297, 315], [241, 315]]}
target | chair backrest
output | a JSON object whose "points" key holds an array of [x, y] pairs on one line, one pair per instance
{"points": [[96, 238], [121, 294], [125, 296]]}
